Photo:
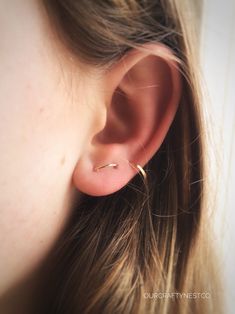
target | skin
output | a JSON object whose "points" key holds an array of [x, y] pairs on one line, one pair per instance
{"points": [[55, 128], [42, 132]]}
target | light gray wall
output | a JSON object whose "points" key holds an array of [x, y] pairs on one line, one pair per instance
{"points": [[218, 65]]}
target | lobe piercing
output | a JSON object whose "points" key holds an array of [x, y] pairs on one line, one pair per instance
{"points": [[137, 167], [107, 165]]}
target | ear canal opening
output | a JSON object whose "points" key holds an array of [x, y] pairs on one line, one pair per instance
{"points": [[120, 120]]}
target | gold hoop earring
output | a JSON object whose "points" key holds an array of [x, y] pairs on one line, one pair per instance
{"points": [[139, 169]]}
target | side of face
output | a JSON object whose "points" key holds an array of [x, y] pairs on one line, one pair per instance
{"points": [[42, 131], [60, 119]]}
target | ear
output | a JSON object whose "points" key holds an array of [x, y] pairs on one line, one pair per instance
{"points": [[142, 93]]}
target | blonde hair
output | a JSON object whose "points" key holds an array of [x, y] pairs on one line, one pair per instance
{"points": [[120, 249]]}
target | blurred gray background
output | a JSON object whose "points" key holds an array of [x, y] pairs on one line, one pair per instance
{"points": [[218, 69]]}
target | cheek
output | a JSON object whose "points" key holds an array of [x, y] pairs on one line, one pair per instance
{"points": [[39, 149], [40, 144]]}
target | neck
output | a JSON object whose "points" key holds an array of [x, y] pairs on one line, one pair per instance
{"points": [[22, 298]]}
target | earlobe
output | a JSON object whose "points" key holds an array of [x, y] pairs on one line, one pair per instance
{"points": [[104, 179], [142, 92]]}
